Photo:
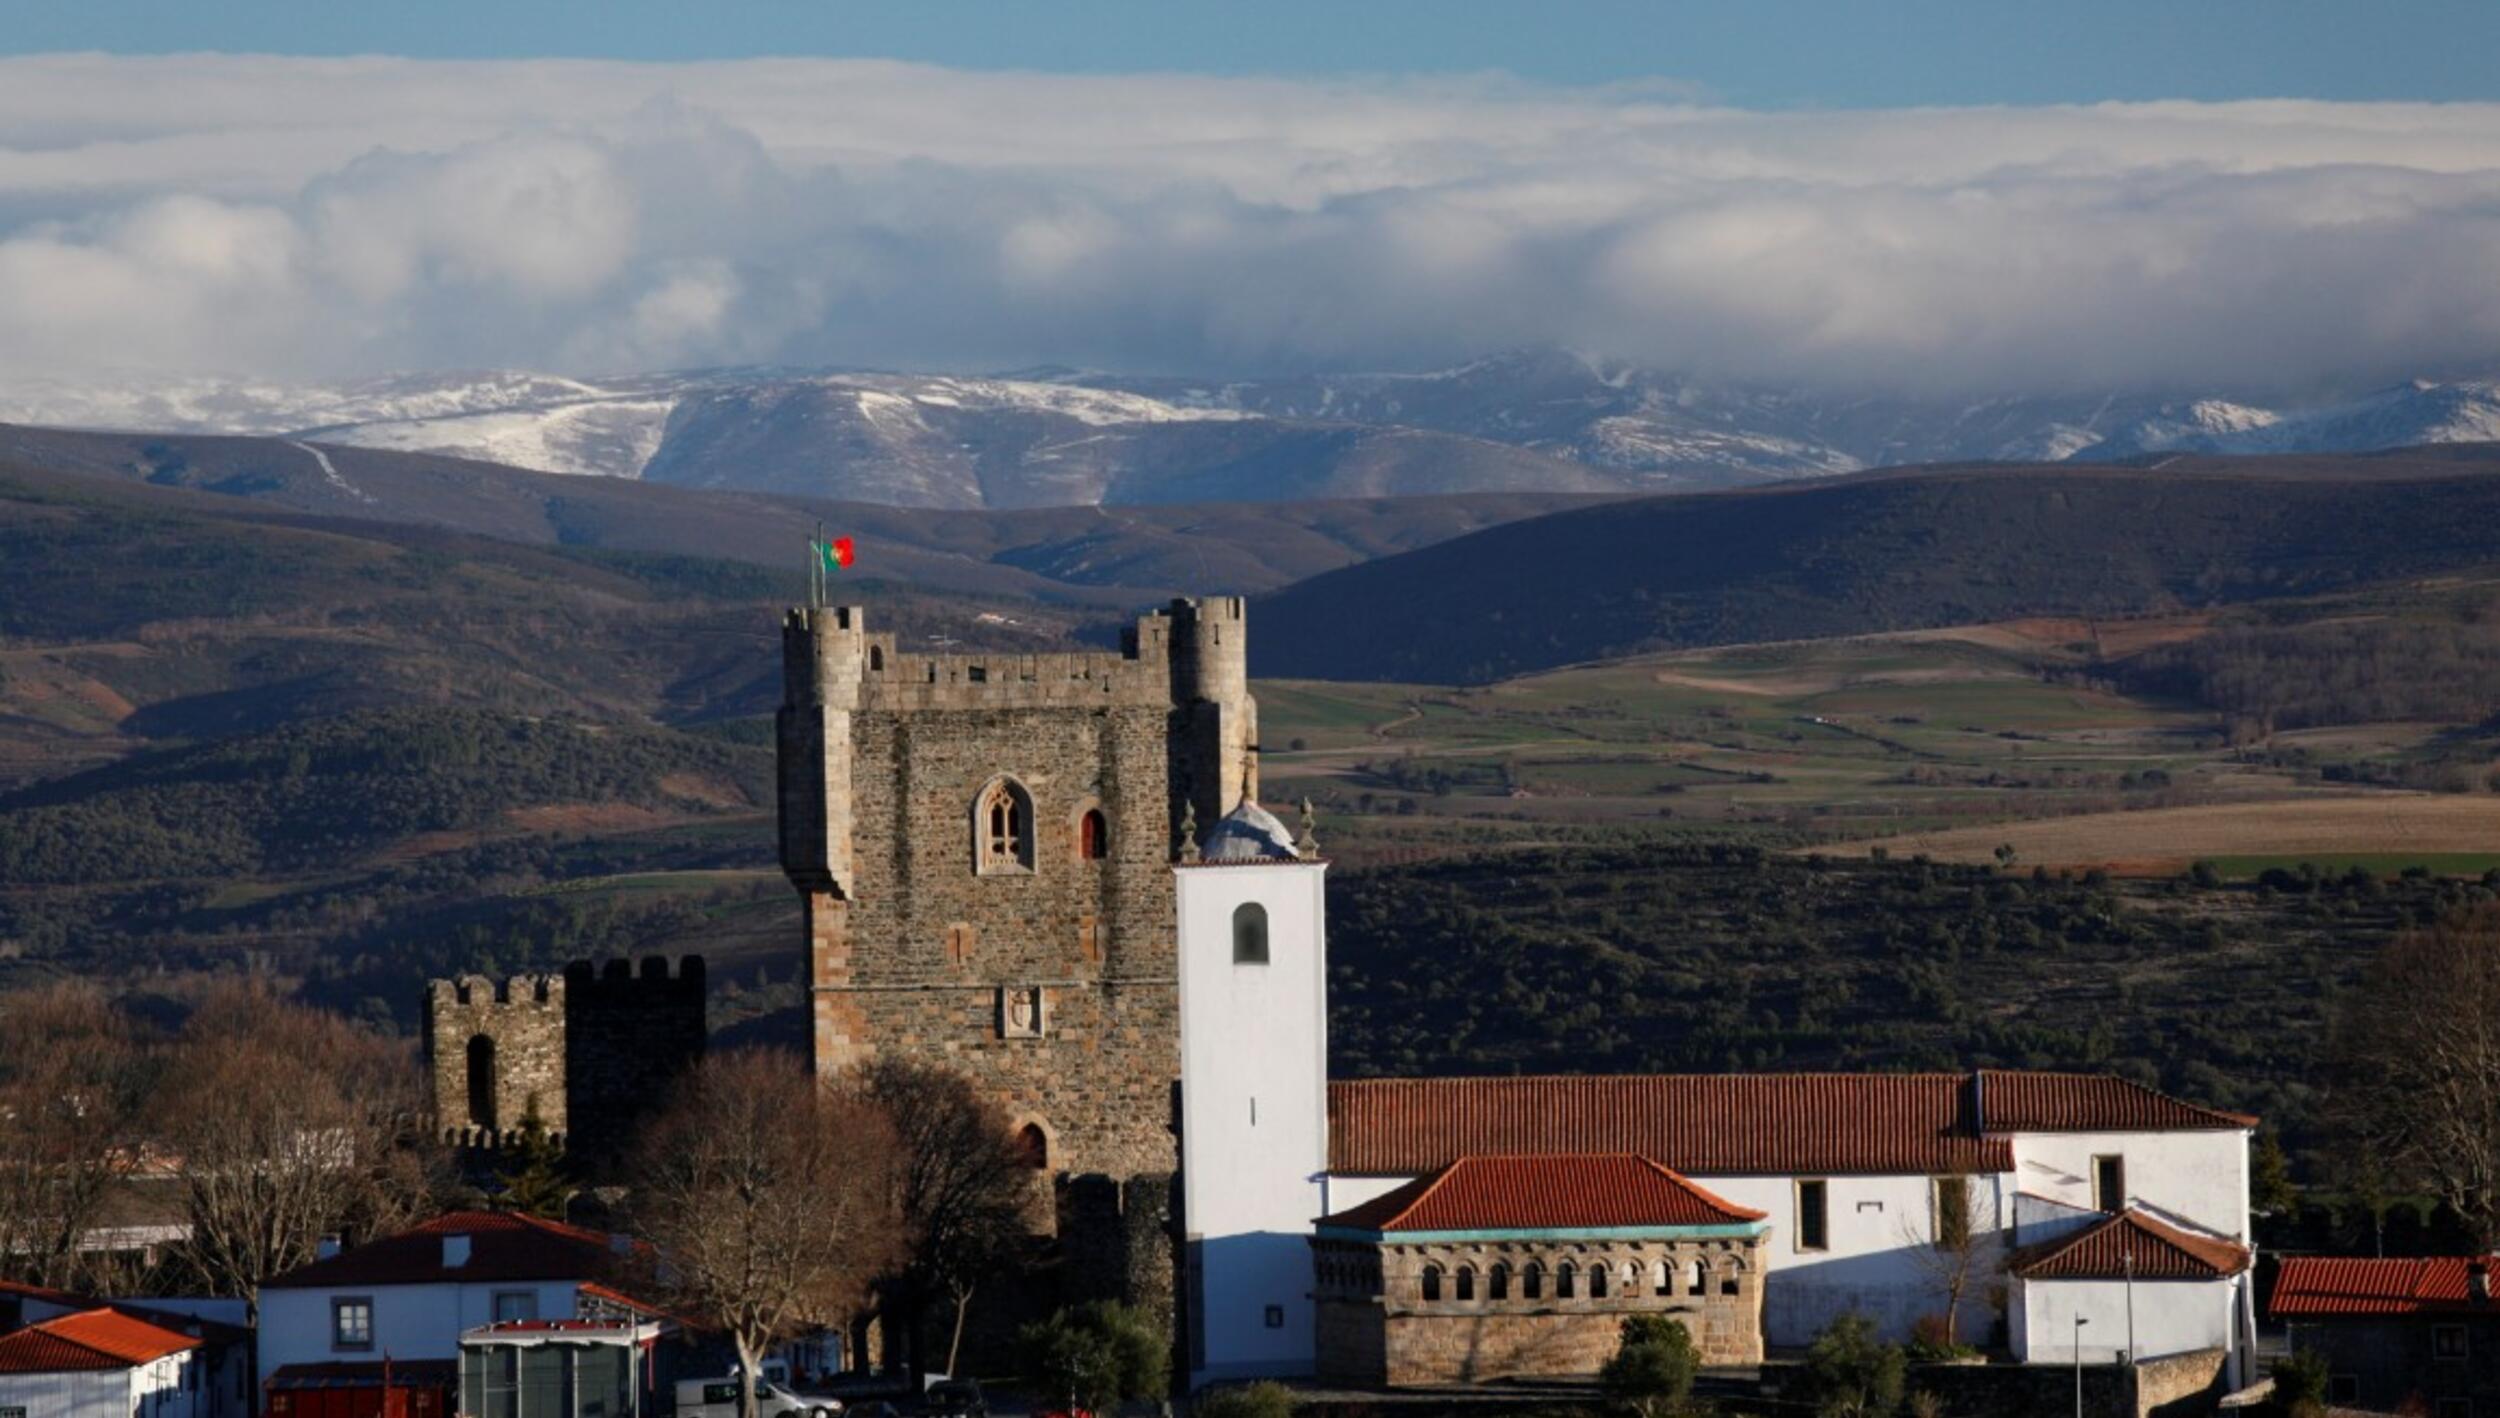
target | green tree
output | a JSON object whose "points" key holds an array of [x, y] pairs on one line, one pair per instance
{"points": [[2299, 1384], [2270, 1187], [533, 1178], [1851, 1374], [1651, 1371], [1097, 1355]]}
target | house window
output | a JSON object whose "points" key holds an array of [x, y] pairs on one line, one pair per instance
{"points": [[1597, 1281], [515, 1305], [1497, 1281], [1093, 836], [2109, 1182], [1466, 1282], [1432, 1282], [1814, 1230], [351, 1322], [1250, 934], [1532, 1282], [1002, 828], [1698, 1281], [2448, 1341], [1566, 1281], [1275, 1317], [1952, 1213], [1033, 1147]]}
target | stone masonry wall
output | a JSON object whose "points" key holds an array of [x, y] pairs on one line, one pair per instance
{"points": [[523, 1017], [1376, 1326]]}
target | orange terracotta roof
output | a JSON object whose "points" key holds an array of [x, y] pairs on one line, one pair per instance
{"points": [[2089, 1102], [90, 1339], [2357, 1285], [2131, 1243], [1548, 1193], [503, 1245], [1738, 1124]]}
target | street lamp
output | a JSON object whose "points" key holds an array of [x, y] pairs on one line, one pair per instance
{"points": [[2080, 1322]]}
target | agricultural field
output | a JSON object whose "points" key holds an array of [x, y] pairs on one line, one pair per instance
{"points": [[1949, 743]]}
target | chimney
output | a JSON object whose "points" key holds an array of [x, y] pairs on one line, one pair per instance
{"points": [[455, 1252], [2478, 1281]]}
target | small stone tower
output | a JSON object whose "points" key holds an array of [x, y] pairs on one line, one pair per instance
{"points": [[592, 1050], [983, 845]]}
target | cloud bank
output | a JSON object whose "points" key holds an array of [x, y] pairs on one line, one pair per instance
{"points": [[289, 217]]}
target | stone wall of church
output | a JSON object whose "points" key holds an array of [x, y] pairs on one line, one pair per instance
{"points": [[1473, 1312]]}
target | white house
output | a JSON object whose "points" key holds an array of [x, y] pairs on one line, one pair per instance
{"points": [[1254, 1097], [2129, 1284], [99, 1363], [408, 1298]]}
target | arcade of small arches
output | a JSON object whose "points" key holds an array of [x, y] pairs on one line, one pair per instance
{"points": [[1496, 1274]]}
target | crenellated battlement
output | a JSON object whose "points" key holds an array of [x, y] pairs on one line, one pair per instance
{"points": [[586, 1049], [528, 991], [1190, 650]]}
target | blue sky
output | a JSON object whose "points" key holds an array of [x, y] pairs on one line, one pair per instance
{"points": [[1750, 53]]}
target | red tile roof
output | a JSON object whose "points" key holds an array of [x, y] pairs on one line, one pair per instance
{"points": [[90, 1339], [503, 1245], [2353, 1285], [1581, 1192], [1739, 1124], [2089, 1102], [2157, 1249]]}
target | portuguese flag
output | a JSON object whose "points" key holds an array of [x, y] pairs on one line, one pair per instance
{"points": [[835, 554]]}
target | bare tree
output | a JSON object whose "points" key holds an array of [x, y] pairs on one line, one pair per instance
{"points": [[2417, 1055], [72, 1077], [965, 1189], [768, 1200], [1956, 1254], [286, 1123]]}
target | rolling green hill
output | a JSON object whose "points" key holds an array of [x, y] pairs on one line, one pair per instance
{"points": [[1894, 551]]}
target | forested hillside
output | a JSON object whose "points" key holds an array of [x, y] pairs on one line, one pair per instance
{"points": [[1884, 552], [1700, 959]]}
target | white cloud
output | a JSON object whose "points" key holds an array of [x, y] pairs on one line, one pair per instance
{"points": [[280, 216]]}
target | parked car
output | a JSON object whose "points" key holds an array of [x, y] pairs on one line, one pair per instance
{"points": [[954, 1398], [718, 1398]]}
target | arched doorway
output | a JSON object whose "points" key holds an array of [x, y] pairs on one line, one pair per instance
{"points": [[482, 1082]]}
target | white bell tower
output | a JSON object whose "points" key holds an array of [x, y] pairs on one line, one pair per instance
{"points": [[1254, 1091]]}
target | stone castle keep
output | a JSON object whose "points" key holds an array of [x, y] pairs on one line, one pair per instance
{"points": [[589, 1050], [983, 848]]}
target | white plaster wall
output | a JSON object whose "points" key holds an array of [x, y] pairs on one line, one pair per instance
{"points": [[2200, 1178], [1872, 1266], [2171, 1317], [409, 1321], [114, 1393], [1254, 1110]]}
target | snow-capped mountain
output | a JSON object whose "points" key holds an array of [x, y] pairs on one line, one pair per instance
{"points": [[1541, 419]]}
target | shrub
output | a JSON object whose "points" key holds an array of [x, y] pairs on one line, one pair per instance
{"points": [[1096, 1355], [1849, 1373], [2300, 1383], [1259, 1400], [1932, 1341], [1653, 1365]]}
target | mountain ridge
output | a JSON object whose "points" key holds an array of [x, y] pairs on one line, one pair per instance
{"points": [[1539, 419]]}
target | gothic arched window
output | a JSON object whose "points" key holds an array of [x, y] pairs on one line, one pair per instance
{"points": [[481, 1061], [1250, 934], [1093, 836], [1002, 828], [1033, 1147]]}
